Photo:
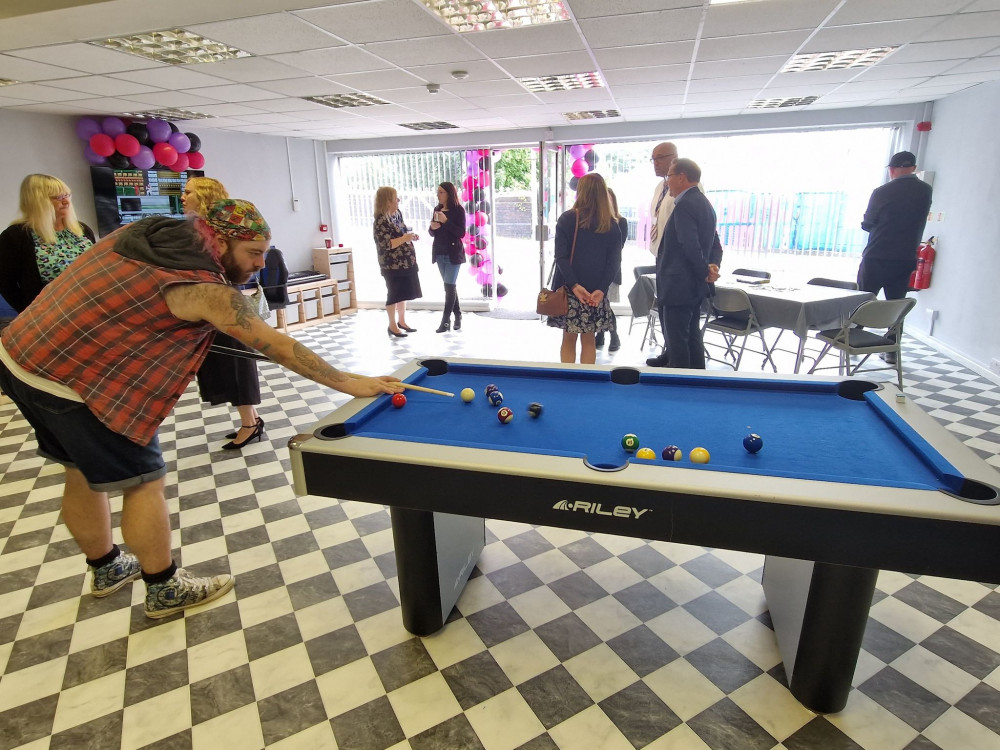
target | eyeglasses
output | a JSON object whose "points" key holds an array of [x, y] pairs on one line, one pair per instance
{"points": [[673, 174], [62, 197]]}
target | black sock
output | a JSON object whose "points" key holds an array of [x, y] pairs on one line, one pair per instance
{"points": [[162, 576], [100, 562]]}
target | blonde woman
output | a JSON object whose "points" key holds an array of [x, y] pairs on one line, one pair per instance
{"points": [[396, 258], [225, 378], [44, 240], [588, 254]]}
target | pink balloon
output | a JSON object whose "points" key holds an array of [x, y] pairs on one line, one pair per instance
{"points": [[483, 179], [196, 160], [165, 154], [127, 145], [580, 168], [102, 144], [181, 164], [480, 219], [577, 151]]}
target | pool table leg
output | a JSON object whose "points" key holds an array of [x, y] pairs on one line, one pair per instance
{"points": [[819, 612], [435, 553]]}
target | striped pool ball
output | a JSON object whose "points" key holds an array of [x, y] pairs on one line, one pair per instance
{"points": [[535, 409], [672, 453], [490, 388], [753, 442], [505, 415], [630, 442], [645, 453], [495, 398]]}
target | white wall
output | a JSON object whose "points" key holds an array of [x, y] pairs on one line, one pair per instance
{"points": [[963, 152], [258, 168]]}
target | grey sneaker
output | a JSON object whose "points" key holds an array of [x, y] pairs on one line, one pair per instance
{"points": [[113, 576], [183, 591]]}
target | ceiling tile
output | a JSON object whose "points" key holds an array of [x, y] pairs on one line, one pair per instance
{"points": [[172, 77], [642, 28], [547, 65], [736, 83], [377, 80], [527, 40], [379, 21], [303, 86], [102, 86], [964, 26], [668, 53], [9, 101], [86, 57], [863, 36], [751, 45], [737, 19], [247, 69], [332, 61], [37, 92], [647, 75], [951, 50], [444, 49], [478, 70], [747, 66], [483, 88], [410, 95], [228, 110], [268, 34], [605, 8], [909, 70], [979, 65], [233, 93], [811, 77], [27, 71], [867, 11], [181, 99]]}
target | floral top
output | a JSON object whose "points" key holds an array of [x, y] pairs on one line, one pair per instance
{"points": [[53, 259], [398, 261]]}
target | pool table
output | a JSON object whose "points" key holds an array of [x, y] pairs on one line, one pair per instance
{"points": [[852, 478]]}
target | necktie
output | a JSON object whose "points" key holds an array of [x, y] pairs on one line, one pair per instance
{"points": [[654, 230]]}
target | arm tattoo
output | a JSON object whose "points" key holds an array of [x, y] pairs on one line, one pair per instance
{"points": [[314, 367], [243, 309]]}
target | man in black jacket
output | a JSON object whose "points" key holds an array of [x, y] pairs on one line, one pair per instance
{"points": [[895, 219], [684, 268]]}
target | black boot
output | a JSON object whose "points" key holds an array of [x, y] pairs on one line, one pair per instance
{"points": [[616, 343], [599, 339], [449, 301], [457, 311]]}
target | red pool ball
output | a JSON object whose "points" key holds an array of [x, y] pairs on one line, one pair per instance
{"points": [[505, 415], [398, 400]]}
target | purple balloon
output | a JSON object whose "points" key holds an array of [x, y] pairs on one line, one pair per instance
{"points": [[180, 142], [112, 126], [159, 130], [93, 157], [144, 159], [86, 127], [577, 151]]}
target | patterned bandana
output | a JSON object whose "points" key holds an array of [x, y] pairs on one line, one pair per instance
{"points": [[239, 220]]}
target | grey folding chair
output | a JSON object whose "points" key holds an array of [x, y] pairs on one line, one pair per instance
{"points": [[642, 298], [752, 273], [733, 316], [853, 339], [835, 283]]}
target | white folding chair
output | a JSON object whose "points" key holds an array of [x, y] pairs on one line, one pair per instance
{"points": [[854, 338]]}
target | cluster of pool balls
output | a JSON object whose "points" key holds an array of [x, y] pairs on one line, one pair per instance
{"points": [[495, 397], [630, 442]]}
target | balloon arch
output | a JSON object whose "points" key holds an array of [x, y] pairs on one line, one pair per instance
{"points": [[124, 143], [478, 211]]}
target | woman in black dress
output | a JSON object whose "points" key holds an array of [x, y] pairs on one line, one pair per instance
{"points": [[396, 258], [448, 228], [588, 270], [613, 291], [226, 378], [45, 239]]}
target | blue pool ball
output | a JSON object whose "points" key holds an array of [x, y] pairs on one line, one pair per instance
{"points": [[753, 442], [672, 453], [495, 397], [490, 388], [535, 409]]}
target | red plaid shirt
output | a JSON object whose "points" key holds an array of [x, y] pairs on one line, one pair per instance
{"points": [[103, 328]]}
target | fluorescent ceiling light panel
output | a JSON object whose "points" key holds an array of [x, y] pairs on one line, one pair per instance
{"points": [[427, 125], [592, 114], [174, 46], [565, 82], [793, 101], [7, 82], [342, 101], [851, 58], [497, 14]]}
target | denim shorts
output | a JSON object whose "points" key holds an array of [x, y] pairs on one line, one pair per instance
{"points": [[68, 433]]}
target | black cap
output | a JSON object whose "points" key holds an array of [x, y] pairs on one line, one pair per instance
{"points": [[903, 159]]}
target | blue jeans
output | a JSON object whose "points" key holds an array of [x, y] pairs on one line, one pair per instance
{"points": [[449, 271]]}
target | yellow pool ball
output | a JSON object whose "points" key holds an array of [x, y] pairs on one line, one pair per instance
{"points": [[468, 394], [699, 456], [645, 453]]}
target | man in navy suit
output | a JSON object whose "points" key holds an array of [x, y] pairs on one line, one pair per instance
{"points": [[684, 267]]}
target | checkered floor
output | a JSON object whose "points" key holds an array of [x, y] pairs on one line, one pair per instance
{"points": [[561, 639]]}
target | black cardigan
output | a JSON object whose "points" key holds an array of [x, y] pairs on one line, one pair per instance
{"points": [[448, 237], [20, 280]]}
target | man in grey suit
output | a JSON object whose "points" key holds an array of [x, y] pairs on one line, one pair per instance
{"points": [[684, 268]]}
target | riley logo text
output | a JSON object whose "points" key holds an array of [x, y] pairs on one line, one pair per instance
{"points": [[619, 511]]}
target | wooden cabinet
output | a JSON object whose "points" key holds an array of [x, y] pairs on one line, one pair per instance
{"points": [[337, 264], [316, 302]]}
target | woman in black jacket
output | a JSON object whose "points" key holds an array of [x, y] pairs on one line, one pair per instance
{"points": [[45, 239], [448, 228]]}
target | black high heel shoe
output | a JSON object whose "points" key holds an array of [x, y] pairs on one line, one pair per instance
{"points": [[407, 328], [443, 328], [256, 435], [399, 335], [259, 423]]}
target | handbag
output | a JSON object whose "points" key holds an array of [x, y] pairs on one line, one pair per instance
{"points": [[555, 302], [259, 302]]}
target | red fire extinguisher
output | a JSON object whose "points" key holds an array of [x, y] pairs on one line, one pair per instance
{"points": [[921, 277]]}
